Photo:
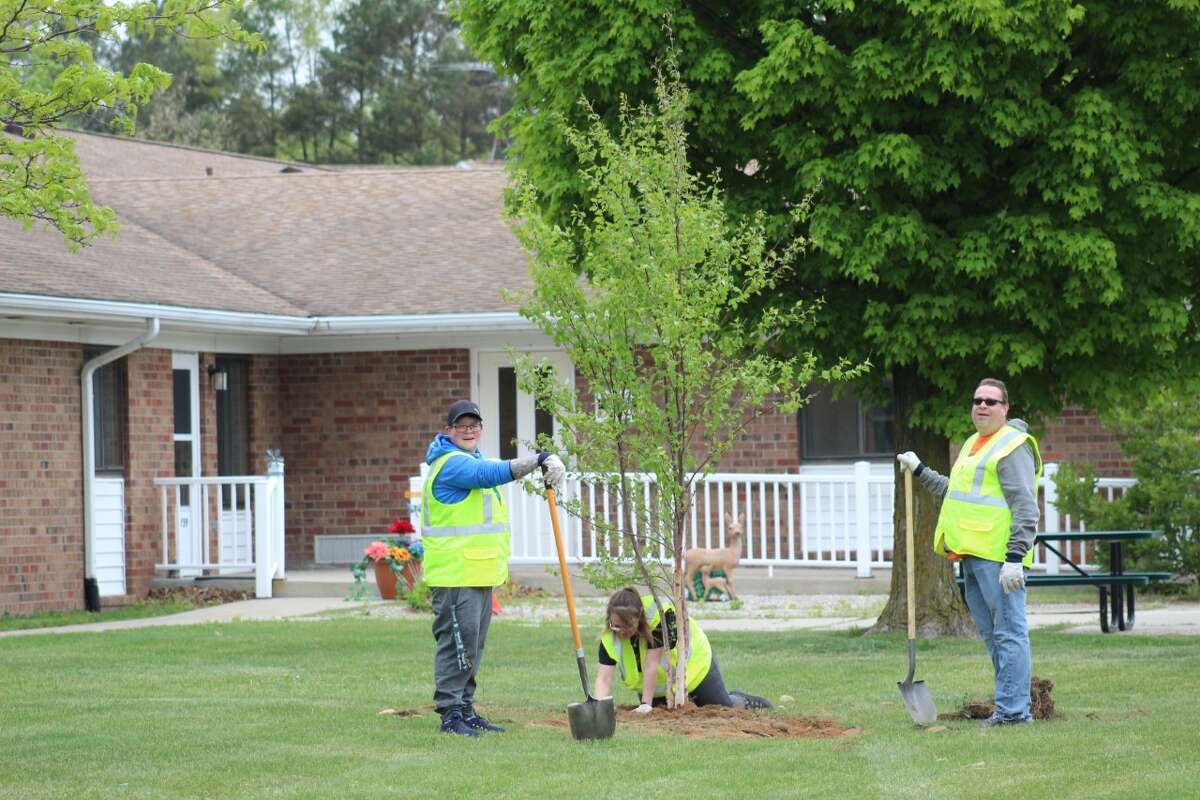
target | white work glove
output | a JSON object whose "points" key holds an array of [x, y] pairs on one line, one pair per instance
{"points": [[554, 471], [644, 708], [909, 460], [1012, 576]]}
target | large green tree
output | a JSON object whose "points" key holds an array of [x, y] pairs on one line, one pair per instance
{"points": [[48, 73], [1008, 189]]}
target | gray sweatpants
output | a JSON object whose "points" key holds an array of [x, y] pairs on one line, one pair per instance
{"points": [[460, 626]]}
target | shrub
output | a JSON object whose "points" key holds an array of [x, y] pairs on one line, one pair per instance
{"points": [[1162, 437]]}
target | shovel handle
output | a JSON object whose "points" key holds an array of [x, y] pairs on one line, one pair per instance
{"points": [[908, 557], [566, 575]]}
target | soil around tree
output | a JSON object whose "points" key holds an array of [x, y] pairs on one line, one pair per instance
{"points": [[718, 722], [1041, 704], [709, 722]]}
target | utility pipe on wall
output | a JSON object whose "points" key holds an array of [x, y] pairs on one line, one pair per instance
{"points": [[91, 589]]}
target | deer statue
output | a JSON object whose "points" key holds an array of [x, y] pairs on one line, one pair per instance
{"points": [[725, 558]]}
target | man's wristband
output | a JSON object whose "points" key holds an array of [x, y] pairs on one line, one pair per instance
{"points": [[542, 458], [917, 472]]}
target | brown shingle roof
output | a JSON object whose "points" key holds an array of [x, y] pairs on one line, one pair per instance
{"points": [[250, 238]]}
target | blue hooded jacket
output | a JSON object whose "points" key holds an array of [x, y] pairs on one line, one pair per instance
{"points": [[460, 475]]}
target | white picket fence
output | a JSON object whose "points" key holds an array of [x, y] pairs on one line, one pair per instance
{"points": [[229, 525], [817, 519]]}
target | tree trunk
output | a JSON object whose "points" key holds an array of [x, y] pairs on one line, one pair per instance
{"points": [[940, 609], [678, 683]]}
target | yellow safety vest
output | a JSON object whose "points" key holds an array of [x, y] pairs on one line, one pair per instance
{"points": [[699, 662], [466, 543], [975, 519]]}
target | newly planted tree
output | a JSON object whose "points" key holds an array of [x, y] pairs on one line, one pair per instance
{"points": [[647, 288]]}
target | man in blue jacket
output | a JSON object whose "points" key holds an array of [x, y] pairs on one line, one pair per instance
{"points": [[467, 544]]}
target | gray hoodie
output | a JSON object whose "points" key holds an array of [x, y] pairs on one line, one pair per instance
{"points": [[1018, 480]]}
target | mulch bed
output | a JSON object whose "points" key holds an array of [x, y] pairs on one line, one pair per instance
{"points": [[198, 595]]}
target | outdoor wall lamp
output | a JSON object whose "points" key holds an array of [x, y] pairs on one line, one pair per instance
{"points": [[218, 377]]}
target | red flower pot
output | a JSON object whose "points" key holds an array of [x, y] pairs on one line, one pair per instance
{"points": [[385, 579]]}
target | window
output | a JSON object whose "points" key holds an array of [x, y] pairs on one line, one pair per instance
{"points": [[845, 428], [108, 414], [506, 412], [185, 438]]}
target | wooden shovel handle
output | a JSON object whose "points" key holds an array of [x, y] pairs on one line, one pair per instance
{"points": [[908, 554], [562, 566]]}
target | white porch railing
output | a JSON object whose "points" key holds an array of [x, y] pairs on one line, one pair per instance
{"points": [[816, 519], [224, 525]]}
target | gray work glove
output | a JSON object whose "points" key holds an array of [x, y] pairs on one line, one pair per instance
{"points": [[909, 460], [551, 465], [526, 464], [1012, 576], [555, 471]]}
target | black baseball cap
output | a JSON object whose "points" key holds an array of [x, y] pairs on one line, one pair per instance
{"points": [[461, 407]]}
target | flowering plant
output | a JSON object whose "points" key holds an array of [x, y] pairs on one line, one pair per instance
{"points": [[396, 553]]}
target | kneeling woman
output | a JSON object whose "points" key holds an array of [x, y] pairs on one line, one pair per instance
{"points": [[632, 644]]}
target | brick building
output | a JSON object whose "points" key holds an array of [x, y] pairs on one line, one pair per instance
{"points": [[330, 314]]}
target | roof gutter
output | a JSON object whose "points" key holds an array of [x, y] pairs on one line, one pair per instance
{"points": [[110, 311], [91, 589], [421, 323], [240, 322]]}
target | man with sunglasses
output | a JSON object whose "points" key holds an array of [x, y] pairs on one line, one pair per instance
{"points": [[988, 522], [467, 544]]}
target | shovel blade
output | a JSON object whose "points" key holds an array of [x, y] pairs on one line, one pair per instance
{"points": [[592, 719], [918, 701]]}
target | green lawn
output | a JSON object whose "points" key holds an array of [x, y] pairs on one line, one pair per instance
{"points": [[289, 710]]}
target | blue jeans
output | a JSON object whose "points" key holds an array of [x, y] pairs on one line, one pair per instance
{"points": [[1000, 619]]}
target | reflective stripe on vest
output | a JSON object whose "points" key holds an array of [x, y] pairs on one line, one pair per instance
{"points": [[466, 543], [488, 526], [699, 658], [975, 518]]}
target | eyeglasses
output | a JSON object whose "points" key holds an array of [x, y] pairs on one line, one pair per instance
{"points": [[990, 401], [470, 426]]}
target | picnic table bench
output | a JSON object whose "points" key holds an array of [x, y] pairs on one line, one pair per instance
{"points": [[1116, 584]]}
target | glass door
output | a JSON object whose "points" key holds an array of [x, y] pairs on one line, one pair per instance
{"points": [[512, 419], [189, 534]]}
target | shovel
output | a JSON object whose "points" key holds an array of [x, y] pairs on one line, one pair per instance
{"points": [[591, 719], [916, 695]]}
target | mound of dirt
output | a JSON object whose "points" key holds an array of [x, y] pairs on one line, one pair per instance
{"points": [[718, 722], [1041, 700]]}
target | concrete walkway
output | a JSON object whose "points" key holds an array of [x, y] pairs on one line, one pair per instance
{"points": [[1176, 618], [240, 611], [1154, 618]]}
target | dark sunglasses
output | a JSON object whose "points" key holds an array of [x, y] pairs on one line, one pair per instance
{"points": [[990, 401]]}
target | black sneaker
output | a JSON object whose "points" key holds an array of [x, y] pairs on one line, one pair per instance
{"points": [[480, 724], [995, 719], [751, 701], [453, 722]]}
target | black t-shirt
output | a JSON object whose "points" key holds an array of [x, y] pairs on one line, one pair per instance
{"points": [[655, 641]]}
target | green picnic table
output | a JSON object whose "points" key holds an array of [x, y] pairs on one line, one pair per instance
{"points": [[1117, 606]]}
